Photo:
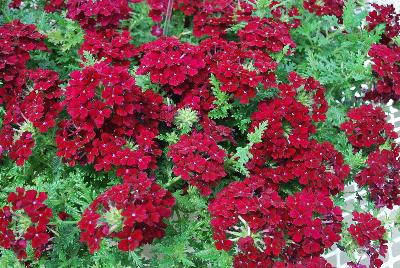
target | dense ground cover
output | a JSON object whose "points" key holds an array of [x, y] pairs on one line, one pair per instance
{"points": [[220, 132]]}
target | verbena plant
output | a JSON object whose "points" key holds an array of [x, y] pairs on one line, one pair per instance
{"points": [[188, 133]]}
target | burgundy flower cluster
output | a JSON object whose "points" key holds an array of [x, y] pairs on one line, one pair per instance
{"points": [[131, 213], [382, 176], [268, 35], [269, 231], [368, 233], [325, 7], [54, 5], [171, 63], [93, 14], [240, 71], [290, 117], [385, 14], [386, 67], [367, 127], [110, 45], [113, 122], [385, 56], [25, 220], [214, 17], [30, 97], [16, 41], [198, 159]]}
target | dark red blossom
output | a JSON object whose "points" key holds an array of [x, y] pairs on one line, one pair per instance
{"points": [[54, 5], [268, 35], [325, 7], [367, 127], [266, 229], [288, 131], [92, 14], [198, 159], [320, 168], [26, 219], [240, 71], [382, 176], [171, 62], [113, 122], [109, 45], [16, 40], [368, 233], [385, 14], [214, 17], [131, 214], [387, 70]]}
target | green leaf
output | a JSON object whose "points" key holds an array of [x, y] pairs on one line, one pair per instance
{"points": [[221, 100]]}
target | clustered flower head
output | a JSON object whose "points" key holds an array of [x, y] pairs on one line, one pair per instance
{"points": [[54, 5], [92, 14], [290, 118], [382, 176], [25, 220], [131, 214], [171, 63], [113, 122], [109, 45], [240, 71], [31, 96], [16, 41], [368, 233], [385, 55], [198, 159], [266, 34], [289, 127], [367, 127], [386, 67], [384, 14], [214, 17], [269, 231], [325, 7]]}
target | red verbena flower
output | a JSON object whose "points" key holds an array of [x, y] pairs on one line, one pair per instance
{"points": [[367, 127], [26, 219], [382, 176], [102, 14], [368, 233], [198, 159], [131, 213]]}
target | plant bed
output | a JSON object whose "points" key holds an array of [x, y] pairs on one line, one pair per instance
{"points": [[183, 133]]}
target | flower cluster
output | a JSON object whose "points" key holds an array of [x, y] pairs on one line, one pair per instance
{"points": [[31, 96], [367, 127], [240, 71], [325, 7], [384, 14], [386, 67], [266, 34], [369, 233], [382, 176], [131, 213], [109, 45], [254, 216], [113, 123], [290, 118], [16, 41], [213, 18], [54, 5], [198, 159], [385, 55], [171, 63], [25, 220], [93, 14]]}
